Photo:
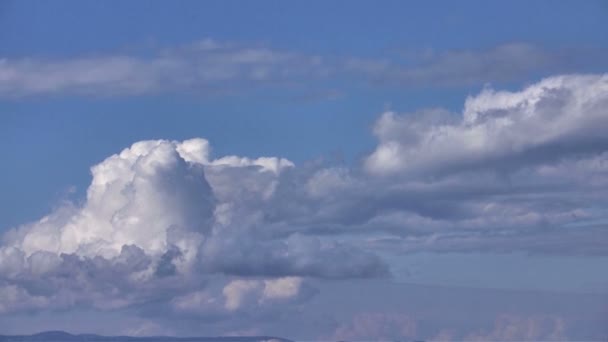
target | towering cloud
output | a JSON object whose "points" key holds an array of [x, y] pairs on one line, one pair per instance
{"points": [[162, 219]]}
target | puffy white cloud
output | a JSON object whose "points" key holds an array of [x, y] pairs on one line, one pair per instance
{"points": [[558, 117], [262, 292], [147, 196], [286, 287], [237, 291], [163, 222], [243, 296]]}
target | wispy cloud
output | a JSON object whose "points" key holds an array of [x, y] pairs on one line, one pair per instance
{"points": [[209, 66], [204, 65], [501, 63]]}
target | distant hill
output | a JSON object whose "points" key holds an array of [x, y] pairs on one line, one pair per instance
{"points": [[62, 336]]}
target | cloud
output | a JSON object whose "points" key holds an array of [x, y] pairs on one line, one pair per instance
{"points": [[556, 118], [205, 66], [461, 67], [377, 326], [147, 195], [14, 298], [522, 170], [245, 297], [366, 326], [167, 228], [152, 197], [154, 228], [211, 67], [516, 171], [515, 328]]}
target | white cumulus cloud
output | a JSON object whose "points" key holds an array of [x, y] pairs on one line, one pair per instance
{"points": [[558, 117], [163, 221]]}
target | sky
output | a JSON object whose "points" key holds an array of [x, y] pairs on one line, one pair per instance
{"points": [[252, 168]]}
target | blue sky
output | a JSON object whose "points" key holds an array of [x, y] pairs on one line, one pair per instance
{"points": [[453, 148]]}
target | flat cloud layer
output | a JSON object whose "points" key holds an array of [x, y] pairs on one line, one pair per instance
{"points": [[167, 228], [212, 67], [203, 65]]}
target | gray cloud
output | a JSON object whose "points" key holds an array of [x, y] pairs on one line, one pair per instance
{"points": [[517, 171], [205, 66], [498, 64], [211, 67]]}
